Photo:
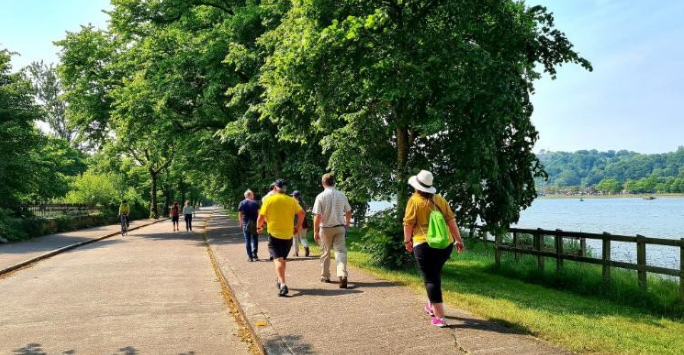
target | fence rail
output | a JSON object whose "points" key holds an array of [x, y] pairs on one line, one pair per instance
{"points": [[541, 251], [52, 210]]}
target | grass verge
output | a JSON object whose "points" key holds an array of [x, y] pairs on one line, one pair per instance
{"points": [[618, 322]]}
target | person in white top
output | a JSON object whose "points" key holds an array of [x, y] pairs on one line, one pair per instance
{"points": [[187, 212], [332, 215]]}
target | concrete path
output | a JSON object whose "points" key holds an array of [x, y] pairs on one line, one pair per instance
{"points": [[152, 292], [15, 253], [373, 316]]}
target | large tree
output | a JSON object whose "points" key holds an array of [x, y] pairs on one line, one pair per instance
{"points": [[19, 138], [398, 86], [49, 93]]}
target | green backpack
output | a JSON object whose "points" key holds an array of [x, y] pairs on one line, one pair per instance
{"points": [[438, 236]]}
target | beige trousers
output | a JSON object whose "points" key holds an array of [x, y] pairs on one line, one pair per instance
{"points": [[333, 239]]}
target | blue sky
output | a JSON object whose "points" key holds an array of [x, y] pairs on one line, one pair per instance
{"points": [[633, 99]]}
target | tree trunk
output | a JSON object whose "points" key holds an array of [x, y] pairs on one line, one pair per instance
{"points": [[403, 147], [153, 195]]}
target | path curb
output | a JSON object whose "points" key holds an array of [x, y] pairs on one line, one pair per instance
{"points": [[50, 254], [268, 339]]}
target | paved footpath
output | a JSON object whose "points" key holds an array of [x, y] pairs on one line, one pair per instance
{"points": [[15, 253], [151, 292], [373, 316]]}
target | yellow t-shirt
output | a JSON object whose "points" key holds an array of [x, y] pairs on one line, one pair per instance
{"points": [[124, 208], [418, 215], [279, 211]]}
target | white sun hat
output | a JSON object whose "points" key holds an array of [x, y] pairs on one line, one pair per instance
{"points": [[423, 182]]}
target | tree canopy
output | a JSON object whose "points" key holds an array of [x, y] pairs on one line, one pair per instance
{"points": [[185, 98]]}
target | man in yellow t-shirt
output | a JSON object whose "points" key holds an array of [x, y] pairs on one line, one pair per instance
{"points": [[125, 210], [279, 212]]}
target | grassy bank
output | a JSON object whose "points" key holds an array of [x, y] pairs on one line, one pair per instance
{"points": [[621, 321]]}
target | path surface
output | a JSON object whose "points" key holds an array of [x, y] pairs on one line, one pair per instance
{"points": [[373, 316], [152, 292], [14, 253]]}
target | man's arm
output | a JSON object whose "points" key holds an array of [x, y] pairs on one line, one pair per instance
{"points": [[317, 224], [347, 219], [300, 220], [260, 223], [240, 217]]}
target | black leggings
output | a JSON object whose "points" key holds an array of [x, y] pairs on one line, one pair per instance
{"points": [[430, 261], [188, 222]]}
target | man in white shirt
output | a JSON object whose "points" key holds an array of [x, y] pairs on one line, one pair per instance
{"points": [[332, 215]]}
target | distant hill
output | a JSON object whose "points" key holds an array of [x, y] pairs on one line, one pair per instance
{"points": [[613, 171]]}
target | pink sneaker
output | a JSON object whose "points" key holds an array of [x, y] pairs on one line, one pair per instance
{"points": [[438, 322], [428, 309]]}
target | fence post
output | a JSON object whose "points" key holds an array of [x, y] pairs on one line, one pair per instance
{"points": [[583, 247], [558, 239], [515, 244], [641, 261], [681, 269], [497, 251], [538, 247], [606, 257]]}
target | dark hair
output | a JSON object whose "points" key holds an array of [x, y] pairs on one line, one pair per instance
{"points": [[425, 195], [329, 179], [124, 201]]}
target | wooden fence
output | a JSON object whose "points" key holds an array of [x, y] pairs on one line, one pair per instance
{"points": [[541, 250], [51, 210]]}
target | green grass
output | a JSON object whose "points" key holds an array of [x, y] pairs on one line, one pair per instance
{"points": [[572, 310]]}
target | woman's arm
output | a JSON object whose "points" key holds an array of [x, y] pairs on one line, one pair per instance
{"points": [[456, 233], [408, 238]]}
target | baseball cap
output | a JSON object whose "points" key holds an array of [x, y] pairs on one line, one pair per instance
{"points": [[281, 185]]}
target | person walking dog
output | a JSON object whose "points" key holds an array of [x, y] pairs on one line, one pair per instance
{"points": [[279, 211], [430, 231], [332, 216]]}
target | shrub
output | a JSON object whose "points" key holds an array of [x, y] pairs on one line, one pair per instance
{"points": [[65, 224], [383, 240]]}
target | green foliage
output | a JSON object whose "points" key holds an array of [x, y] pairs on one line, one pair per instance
{"points": [[391, 88], [611, 171], [64, 223], [383, 241], [48, 94], [93, 189], [19, 139]]}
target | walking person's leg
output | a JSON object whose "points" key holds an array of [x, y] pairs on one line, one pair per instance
{"points": [[441, 258], [340, 246], [190, 221], [430, 262], [279, 249], [295, 239], [255, 246], [326, 247], [304, 241], [248, 247], [185, 218]]}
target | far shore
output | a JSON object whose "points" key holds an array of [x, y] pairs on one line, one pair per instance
{"points": [[673, 195]]}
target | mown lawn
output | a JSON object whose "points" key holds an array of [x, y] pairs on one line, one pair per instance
{"points": [[581, 323]]}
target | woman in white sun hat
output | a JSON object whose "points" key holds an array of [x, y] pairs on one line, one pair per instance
{"points": [[430, 260]]}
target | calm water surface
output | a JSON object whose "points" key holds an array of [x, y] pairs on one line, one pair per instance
{"points": [[659, 218]]}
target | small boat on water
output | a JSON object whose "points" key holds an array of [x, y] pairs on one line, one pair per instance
{"points": [[581, 199], [649, 198]]}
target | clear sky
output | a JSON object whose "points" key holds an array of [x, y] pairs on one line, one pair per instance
{"points": [[633, 99]]}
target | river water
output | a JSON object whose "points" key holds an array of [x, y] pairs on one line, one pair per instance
{"points": [[659, 218]]}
